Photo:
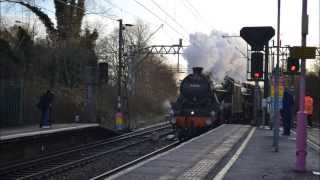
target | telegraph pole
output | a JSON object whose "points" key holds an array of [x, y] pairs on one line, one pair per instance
{"points": [[301, 142]]}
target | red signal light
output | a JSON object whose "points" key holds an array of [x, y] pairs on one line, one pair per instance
{"points": [[256, 65], [293, 65], [293, 68], [257, 75]]}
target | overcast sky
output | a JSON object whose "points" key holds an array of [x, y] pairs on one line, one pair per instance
{"points": [[229, 16], [224, 15], [184, 17]]}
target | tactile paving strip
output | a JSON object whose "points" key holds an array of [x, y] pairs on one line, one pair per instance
{"points": [[203, 167]]}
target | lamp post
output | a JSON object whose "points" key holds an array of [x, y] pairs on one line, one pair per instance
{"points": [[120, 50], [301, 142], [276, 88], [119, 114]]}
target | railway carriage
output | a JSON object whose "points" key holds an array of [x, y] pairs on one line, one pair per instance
{"points": [[237, 101]]}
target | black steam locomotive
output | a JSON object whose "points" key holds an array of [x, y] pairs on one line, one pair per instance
{"points": [[197, 107], [200, 106]]}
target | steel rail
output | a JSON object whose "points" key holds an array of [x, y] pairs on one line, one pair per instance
{"points": [[87, 146], [134, 162], [25, 166]]}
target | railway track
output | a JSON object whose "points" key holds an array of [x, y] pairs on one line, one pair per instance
{"points": [[78, 156], [132, 163]]}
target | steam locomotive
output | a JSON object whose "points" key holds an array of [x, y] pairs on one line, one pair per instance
{"points": [[197, 107], [200, 107]]}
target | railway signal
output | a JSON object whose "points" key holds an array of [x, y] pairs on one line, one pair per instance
{"points": [[256, 65], [293, 65], [103, 72], [257, 37]]}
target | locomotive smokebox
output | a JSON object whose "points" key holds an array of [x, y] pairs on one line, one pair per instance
{"points": [[197, 70]]}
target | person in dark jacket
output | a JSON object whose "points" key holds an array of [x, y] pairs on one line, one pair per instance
{"points": [[45, 106], [287, 105]]}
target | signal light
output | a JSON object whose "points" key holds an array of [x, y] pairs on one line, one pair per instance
{"points": [[257, 75], [256, 65], [103, 71], [293, 65]]}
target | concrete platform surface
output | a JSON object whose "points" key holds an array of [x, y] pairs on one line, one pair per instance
{"points": [[258, 161], [19, 132], [193, 159], [314, 135]]}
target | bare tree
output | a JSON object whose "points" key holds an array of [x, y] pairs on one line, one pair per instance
{"points": [[68, 13], [154, 82]]}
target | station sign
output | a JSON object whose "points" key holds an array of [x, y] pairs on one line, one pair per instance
{"points": [[303, 52]]}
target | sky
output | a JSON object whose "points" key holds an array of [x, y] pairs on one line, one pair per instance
{"points": [[228, 16], [184, 17], [190, 16]]}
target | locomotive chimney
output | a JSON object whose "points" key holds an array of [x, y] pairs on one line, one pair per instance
{"points": [[197, 70]]}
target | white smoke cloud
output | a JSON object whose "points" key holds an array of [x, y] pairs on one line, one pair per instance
{"points": [[217, 55]]}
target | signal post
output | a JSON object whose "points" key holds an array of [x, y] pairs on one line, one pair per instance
{"points": [[258, 38]]}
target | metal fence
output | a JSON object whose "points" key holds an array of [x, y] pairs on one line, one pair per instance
{"points": [[11, 102]]}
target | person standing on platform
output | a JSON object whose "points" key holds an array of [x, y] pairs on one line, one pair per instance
{"points": [[45, 106], [308, 108], [287, 105]]}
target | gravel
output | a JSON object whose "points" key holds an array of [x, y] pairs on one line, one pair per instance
{"points": [[109, 162]]}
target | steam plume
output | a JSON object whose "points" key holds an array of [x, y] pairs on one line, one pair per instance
{"points": [[217, 55]]}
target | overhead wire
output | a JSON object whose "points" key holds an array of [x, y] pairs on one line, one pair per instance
{"points": [[121, 9], [200, 15], [147, 9], [128, 12], [114, 19], [190, 10], [167, 14], [192, 7], [188, 5]]}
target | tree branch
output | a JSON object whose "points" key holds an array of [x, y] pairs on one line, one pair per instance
{"points": [[44, 18]]}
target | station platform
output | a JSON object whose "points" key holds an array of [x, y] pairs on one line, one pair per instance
{"points": [[229, 152], [258, 161], [29, 131], [193, 159], [314, 135]]}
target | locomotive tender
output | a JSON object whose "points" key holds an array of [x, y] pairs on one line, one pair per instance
{"points": [[237, 105]]}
